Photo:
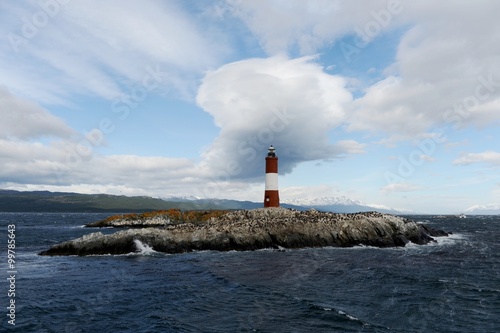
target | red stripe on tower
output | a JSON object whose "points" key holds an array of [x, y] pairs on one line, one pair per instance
{"points": [[271, 194]]}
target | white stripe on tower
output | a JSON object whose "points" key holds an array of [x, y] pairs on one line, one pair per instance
{"points": [[271, 181]]}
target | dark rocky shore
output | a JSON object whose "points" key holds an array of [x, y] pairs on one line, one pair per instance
{"points": [[256, 229]]}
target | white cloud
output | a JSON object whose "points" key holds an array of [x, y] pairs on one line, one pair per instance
{"points": [[444, 74], [102, 49], [291, 104], [489, 157], [351, 146], [21, 119], [28, 162], [282, 26], [427, 158], [389, 107], [60, 166], [401, 187]]}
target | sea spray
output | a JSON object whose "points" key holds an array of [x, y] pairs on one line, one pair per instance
{"points": [[143, 248]]}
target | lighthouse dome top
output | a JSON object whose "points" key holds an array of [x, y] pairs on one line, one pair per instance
{"points": [[271, 151]]}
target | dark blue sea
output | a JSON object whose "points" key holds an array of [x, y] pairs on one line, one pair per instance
{"points": [[450, 286]]}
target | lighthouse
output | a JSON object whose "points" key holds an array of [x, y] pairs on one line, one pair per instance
{"points": [[271, 194]]}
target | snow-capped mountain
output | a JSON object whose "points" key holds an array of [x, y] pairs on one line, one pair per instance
{"points": [[323, 201], [181, 199], [491, 209], [341, 205]]}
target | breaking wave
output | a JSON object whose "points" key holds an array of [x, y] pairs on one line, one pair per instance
{"points": [[143, 248]]}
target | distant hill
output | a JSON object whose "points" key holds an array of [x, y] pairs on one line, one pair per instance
{"points": [[45, 201]]}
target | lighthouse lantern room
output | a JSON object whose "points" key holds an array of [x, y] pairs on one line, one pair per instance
{"points": [[271, 194]]}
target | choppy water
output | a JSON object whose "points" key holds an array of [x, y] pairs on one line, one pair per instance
{"points": [[451, 286]]}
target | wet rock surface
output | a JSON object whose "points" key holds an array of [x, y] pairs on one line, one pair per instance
{"points": [[257, 229]]}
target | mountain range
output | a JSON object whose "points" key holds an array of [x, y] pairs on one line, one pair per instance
{"points": [[45, 201]]}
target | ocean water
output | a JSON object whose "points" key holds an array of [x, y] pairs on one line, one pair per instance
{"points": [[450, 286]]}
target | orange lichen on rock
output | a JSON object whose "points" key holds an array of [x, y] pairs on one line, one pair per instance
{"points": [[172, 215]]}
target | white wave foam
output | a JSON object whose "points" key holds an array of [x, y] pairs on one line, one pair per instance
{"points": [[143, 248], [449, 240], [444, 241], [328, 307], [348, 315]]}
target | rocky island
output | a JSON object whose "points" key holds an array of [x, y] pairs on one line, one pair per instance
{"points": [[247, 230]]}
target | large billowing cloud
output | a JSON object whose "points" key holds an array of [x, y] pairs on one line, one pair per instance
{"points": [[292, 104]]}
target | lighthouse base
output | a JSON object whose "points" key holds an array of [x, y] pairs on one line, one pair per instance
{"points": [[271, 198]]}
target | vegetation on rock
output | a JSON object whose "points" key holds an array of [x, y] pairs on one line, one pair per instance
{"points": [[158, 218]]}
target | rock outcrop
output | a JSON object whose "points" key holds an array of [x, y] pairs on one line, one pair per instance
{"points": [[258, 229]]}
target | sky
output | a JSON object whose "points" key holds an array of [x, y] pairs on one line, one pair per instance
{"points": [[393, 103]]}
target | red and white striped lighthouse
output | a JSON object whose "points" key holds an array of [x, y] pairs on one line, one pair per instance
{"points": [[271, 194]]}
